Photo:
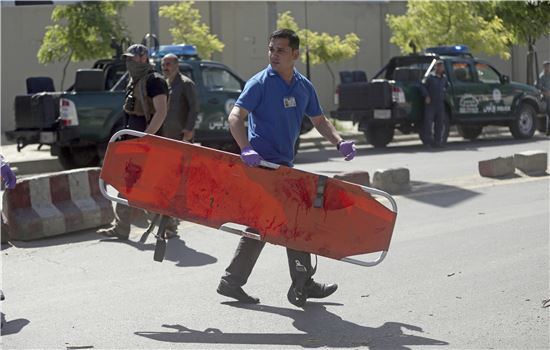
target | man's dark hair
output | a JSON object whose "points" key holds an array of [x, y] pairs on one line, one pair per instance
{"points": [[293, 39]]}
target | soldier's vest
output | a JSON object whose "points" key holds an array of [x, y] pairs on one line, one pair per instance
{"points": [[137, 102]]}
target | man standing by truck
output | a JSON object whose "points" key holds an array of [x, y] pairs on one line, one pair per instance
{"points": [[182, 112], [145, 108], [543, 84], [183, 105], [434, 90]]}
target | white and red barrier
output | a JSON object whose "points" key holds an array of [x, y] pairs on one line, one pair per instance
{"points": [[50, 205]]}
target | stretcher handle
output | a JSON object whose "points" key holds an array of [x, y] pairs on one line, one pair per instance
{"points": [[102, 185], [130, 132], [241, 230], [381, 193], [380, 258], [364, 262], [269, 165], [103, 189]]}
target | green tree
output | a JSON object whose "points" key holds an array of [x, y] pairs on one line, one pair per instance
{"points": [[82, 31], [432, 23], [189, 29], [527, 21], [322, 47]]}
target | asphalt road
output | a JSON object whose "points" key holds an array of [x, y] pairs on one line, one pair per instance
{"points": [[468, 267]]}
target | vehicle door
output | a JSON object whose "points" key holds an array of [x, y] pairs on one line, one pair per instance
{"points": [[498, 93], [218, 92], [466, 93]]}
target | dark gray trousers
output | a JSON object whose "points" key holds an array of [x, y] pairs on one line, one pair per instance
{"points": [[432, 128], [247, 254]]}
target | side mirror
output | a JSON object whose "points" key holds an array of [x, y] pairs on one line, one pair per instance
{"points": [[505, 79]]}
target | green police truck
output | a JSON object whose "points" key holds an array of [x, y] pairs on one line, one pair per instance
{"points": [[477, 96], [79, 122]]}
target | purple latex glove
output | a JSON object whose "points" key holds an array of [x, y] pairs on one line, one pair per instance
{"points": [[8, 177], [347, 148], [250, 157]]}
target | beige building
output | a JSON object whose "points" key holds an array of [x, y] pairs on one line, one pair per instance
{"points": [[242, 26]]}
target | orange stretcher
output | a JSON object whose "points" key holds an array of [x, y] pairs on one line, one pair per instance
{"points": [[276, 204]]}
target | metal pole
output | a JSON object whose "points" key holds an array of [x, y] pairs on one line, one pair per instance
{"points": [[308, 75], [154, 18]]}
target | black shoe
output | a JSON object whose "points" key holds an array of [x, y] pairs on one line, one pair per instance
{"points": [[297, 293], [236, 293], [320, 290], [114, 231]]}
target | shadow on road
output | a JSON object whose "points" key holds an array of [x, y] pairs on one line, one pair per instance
{"points": [[71, 237], [176, 251], [320, 328], [431, 193], [13, 326]]}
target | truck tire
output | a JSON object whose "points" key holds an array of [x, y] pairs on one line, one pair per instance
{"points": [[379, 135], [78, 157], [524, 125], [469, 132]]}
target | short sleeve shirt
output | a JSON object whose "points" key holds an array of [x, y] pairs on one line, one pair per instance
{"points": [[156, 86], [276, 110]]}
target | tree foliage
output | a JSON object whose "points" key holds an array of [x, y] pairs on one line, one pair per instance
{"points": [[323, 47], [526, 20], [432, 23], [82, 31], [189, 29]]}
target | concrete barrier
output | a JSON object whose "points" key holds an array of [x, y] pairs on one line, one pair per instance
{"points": [[54, 204], [357, 177], [497, 167], [392, 180], [531, 162]]}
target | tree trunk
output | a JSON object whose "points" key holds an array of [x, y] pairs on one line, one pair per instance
{"points": [[530, 54], [332, 75], [65, 69]]}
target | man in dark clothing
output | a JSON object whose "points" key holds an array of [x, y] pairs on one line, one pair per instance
{"points": [[543, 84], [182, 113], [434, 90], [145, 109], [183, 104]]}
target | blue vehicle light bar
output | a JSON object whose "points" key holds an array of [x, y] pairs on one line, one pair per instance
{"points": [[449, 50], [178, 50]]}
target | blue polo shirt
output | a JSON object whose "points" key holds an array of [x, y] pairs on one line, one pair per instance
{"points": [[276, 110]]}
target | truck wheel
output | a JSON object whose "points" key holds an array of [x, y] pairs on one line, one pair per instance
{"points": [[78, 157], [469, 132], [523, 126], [379, 135]]}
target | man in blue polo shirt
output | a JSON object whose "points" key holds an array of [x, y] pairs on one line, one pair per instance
{"points": [[275, 101]]}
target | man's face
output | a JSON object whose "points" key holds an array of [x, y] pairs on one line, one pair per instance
{"points": [[439, 68], [281, 56], [169, 67], [547, 68]]}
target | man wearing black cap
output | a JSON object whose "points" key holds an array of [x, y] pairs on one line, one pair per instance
{"points": [[145, 108], [544, 84], [434, 90]]}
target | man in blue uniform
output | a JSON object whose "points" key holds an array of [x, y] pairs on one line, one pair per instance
{"points": [[275, 101], [434, 90]]}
